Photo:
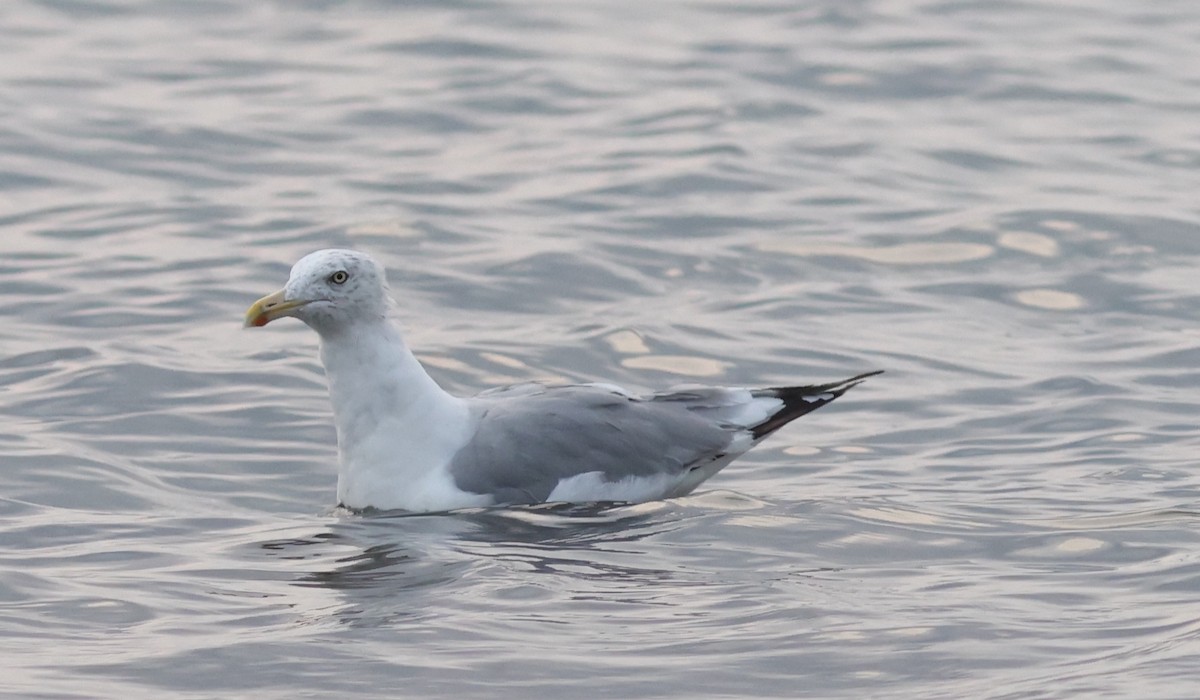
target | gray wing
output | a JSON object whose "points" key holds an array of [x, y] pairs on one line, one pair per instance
{"points": [[526, 443]]}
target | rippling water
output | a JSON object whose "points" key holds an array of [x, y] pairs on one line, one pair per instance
{"points": [[993, 201]]}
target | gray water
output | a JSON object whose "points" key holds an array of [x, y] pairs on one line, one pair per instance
{"points": [[995, 202]]}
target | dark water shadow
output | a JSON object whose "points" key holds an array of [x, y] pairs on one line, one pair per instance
{"points": [[395, 568], [399, 551]]}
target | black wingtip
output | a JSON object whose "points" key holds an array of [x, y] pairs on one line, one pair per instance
{"points": [[846, 384], [799, 400]]}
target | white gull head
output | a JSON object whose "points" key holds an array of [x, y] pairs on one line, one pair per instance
{"points": [[329, 290]]}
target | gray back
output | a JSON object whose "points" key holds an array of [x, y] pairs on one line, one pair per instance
{"points": [[530, 440]]}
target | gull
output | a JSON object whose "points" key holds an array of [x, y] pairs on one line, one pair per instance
{"points": [[405, 443]]}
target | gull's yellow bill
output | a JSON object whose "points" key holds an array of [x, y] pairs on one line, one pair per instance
{"points": [[271, 307]]}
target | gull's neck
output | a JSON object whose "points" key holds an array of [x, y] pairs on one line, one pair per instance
{"points": [[397, 429]]}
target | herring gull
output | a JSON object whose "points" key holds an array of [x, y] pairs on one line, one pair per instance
{"points": [[404, 443]]}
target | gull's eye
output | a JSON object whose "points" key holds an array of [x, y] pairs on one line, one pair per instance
{"points": [[339, 277]]}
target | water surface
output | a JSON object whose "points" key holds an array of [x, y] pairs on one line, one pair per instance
{"points": [[994, 202]]}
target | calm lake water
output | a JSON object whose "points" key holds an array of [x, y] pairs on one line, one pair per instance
{"points": [[995, 202]]}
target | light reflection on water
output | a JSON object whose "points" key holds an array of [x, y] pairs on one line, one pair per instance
{"points": [[994, 203]]}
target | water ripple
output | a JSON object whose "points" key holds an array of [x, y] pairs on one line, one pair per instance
{"points": [[991, 201]]}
